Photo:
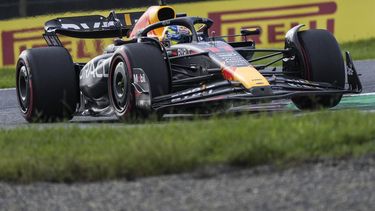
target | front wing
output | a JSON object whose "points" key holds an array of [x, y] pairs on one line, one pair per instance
{"points": [[281, 87]]}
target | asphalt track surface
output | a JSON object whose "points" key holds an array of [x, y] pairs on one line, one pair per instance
{"points": [[316, 185], [323, 185]]}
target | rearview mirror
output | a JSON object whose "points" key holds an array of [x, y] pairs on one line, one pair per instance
{"points": [[252, 31]]}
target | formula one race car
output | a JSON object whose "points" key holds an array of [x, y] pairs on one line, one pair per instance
{"points": [[170, 64]]}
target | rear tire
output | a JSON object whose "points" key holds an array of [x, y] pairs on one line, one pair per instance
{"points": [[323, 63], [46, 84], [150, 59]]}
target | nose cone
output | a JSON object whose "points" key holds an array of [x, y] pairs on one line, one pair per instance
{"points": [[249, 77]]}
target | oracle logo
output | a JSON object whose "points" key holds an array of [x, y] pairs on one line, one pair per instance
{"points": [[275, 21]]}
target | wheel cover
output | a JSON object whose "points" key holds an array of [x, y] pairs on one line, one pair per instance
{"points": [[23, 91], [119, 87]]}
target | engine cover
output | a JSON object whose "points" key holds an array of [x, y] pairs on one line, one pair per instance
{"points": [[93, 77]]}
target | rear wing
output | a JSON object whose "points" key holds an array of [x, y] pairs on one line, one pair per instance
{"points": [[90, 27]]}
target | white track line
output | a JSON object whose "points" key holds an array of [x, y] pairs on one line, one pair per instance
{"points": [[7, 89], [363, 94]]}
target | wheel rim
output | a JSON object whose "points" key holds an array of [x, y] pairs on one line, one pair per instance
{"points": [[23, 89], [119, 85]]}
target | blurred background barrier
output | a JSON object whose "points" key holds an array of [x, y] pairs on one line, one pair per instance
{"points": [[348, 20], [25, 8]]}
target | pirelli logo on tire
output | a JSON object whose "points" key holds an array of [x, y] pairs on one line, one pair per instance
{"points": [[348, 20]]}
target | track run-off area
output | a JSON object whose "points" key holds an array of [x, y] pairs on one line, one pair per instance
{"points": [[327, 184], [10, 115]]}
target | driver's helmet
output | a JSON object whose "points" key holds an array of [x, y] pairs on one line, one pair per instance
{"points": [[177, 34]]}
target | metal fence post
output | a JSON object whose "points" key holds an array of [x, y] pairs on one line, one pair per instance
{"points": [[22, 9]]}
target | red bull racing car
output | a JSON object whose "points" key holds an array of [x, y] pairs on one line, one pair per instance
{"points": [[171, 64]]}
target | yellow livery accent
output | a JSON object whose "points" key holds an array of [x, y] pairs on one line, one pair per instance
{"points": [[153, 15], [249, 77], [161, 13], [128, 21]]}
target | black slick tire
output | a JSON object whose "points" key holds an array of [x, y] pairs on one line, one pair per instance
{"points": [[46, 84], [150, 59], [323, 63]]}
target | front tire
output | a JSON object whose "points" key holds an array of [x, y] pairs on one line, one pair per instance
{"points": [[323, 63], [121, 93], [150, 59], [46, 84]]}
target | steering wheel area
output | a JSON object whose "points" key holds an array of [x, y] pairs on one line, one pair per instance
{"points": [[187, 22]]}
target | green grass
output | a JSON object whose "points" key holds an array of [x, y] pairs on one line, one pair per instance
{"points": [[364, 49], [69, 153], [7, 78]]}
